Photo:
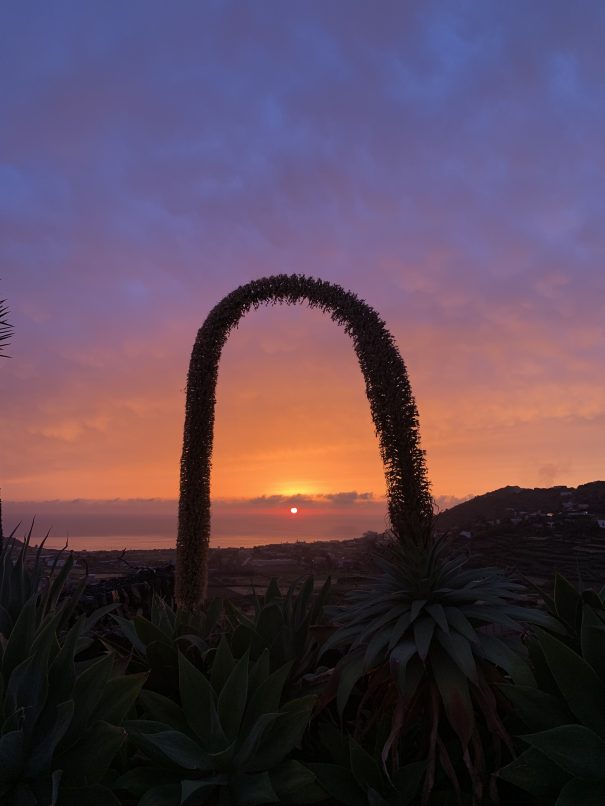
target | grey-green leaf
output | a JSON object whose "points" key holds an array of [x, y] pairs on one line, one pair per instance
{"points": [[580, 685], [533, 772], [574, 748], [232, 699], [179, 748]]}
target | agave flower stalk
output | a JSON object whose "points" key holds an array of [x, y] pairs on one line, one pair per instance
{"points": [[6, 331], [388, 390], [6, 328]]}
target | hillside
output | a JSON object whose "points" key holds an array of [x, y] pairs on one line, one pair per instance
{"points": [[499, 504], [534, 532]]}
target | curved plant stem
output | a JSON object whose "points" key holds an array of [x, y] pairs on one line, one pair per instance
{"points": [[6, 328], [387, 387]]}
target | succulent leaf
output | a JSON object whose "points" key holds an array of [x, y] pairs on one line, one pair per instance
{"points": [[460, 651], [535, 773], [567, 601], [565, 707], [266, 696], [232, 699], [538, 709], [454, 690], [575, 748], [198, 699], [582, 689], [163, 709], [232, 741], [179, 749], [592, 640], [350, 672], [578, 791], [507, 657], [87, 761]]}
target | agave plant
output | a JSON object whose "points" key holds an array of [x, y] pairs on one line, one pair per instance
{"points": [[354, 777], [564, 711], [60, 718], [20, 581], [415, 638], [229, 741], [155, 642], [289, 626], [566, 605]]}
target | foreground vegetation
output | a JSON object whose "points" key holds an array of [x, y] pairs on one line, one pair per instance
{"points": [[400, 697]]}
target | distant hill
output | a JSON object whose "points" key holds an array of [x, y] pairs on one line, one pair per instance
{"points": [[534, 533], [501, 504]]}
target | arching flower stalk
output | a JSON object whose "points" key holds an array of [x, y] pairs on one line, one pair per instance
{"points": [[6, 328], [6, 331], [388, 390]]}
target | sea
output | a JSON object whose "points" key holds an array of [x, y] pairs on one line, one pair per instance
{"points": [[152, 524]]}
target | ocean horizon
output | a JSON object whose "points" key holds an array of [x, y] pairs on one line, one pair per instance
{"points": [[88, 525], [150, 542]]}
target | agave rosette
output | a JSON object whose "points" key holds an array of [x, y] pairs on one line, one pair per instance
{"points": [[60, 717], [23, 577], [230, 740], [154, 642], [416, 636], [288, 625]]}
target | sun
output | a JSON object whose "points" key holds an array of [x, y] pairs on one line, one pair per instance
{"points": [[293, 510]]}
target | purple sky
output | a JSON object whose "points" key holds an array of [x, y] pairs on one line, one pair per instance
{"points": [[445, 161]]}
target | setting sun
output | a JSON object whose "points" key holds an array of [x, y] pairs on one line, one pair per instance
{"points": [[293, 510]]}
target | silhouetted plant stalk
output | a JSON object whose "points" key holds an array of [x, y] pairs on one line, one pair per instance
{"points": [[387, 387], [6, 329]]}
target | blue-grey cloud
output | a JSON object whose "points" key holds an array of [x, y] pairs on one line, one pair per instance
{"points": [[320, 500]]}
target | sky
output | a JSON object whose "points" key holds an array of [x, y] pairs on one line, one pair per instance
{"points": [[442, 160]]}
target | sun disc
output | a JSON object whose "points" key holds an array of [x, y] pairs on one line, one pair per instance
{"points": [[294, 510]]}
